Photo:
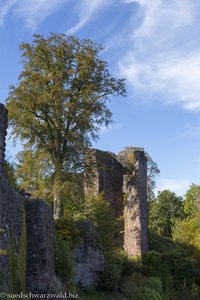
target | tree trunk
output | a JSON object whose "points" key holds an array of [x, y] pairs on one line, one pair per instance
{"points": [[58, 207]]}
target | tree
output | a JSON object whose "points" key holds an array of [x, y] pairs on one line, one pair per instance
{"points": [[166, 208], [33, 173], [60, 102], [187, 231], [152, 172], [192, 200], [102, 215]]}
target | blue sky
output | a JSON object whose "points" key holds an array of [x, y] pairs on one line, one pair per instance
{"points": [[155, 45]]}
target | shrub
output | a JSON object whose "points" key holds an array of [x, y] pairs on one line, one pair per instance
{"points": [[145, 293], [101, 214], [181, 268], [67, 229], [64, 265], [139, 287], [112, 274]]}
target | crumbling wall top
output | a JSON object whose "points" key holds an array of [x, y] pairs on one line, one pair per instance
{"points": [[3, 133]]}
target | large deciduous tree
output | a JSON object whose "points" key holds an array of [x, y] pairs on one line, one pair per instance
{"points": [[60, 101]]}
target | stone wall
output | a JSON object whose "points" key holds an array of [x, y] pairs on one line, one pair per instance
{"points": [[106, 175], [88, 257], [136, 209], [11, 204], [40, 247], [39, 228], [3, 132], [111, 174]]}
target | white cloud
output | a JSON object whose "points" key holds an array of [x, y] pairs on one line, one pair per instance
{"points": [[87, 10], [36, 11], [32, 11], [5, 8], [179, 185], [164, 58]]}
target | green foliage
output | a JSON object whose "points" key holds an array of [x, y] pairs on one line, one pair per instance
{"points": [[64, 265], [140, 287], [188, 231], [15, 284], [33, 173], [192, 200], [165, 209], [67, 229], [73, 196], [181, 268], [61, 100], [145, 293], [117, 268], [112, 274], [22, 252], [99, 211], [17, 259], [155, 264], [9, 171], [175, 269], [126, 157], [160, 243]]}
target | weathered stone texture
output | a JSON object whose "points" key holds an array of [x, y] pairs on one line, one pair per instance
{"points": [[88, 257], [40, 228], [111, 174], [10, 202], [10, 220], [135, 211], [107, 177], [40, 240], [3, 133]]}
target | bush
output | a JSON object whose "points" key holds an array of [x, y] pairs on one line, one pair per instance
{"points": [[139, 287], [181, 268], [112, 274], [101, 214], [155, 264], [67, 229], [145, 293], [64, 265]]}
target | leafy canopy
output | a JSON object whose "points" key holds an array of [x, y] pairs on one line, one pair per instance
{"points": [[61, 99]]}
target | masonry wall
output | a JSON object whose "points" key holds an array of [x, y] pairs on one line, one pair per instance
{"points": [[136, 209], [11, 204], [106, 175], [40, 246], [3, 133], [39, 228], [109, 174]]}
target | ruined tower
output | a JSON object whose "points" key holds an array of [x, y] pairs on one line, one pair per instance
{"points": [[123, 177], [136, 209]]}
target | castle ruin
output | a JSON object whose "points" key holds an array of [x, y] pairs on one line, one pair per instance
{"points": [[125, 191]]}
